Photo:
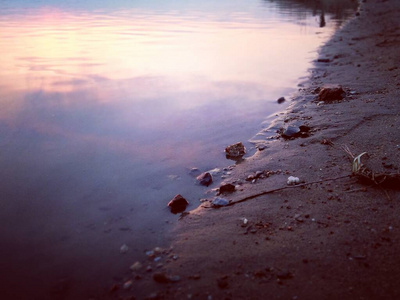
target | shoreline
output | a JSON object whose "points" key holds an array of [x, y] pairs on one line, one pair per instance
{"points": [[329, 240]]}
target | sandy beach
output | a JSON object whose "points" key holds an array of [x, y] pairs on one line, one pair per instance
{"points": [[335, 239]]}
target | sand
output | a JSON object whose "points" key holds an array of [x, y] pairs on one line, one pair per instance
{"points": [[337, 239]]}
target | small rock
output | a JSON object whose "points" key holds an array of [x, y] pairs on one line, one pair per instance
{"points": [[178, 204], [235, 151], [219, 202], [205, 179], [128, 284], [250, 178], [158, 250], [293, 180], [261, 147], [160, 277], [222, 283], [226, 188], [331, 92], [291, 131], [259, 174], [281, 100], [150, 253], [124, 248], [136, 266], [304, 128], [324, 60]]}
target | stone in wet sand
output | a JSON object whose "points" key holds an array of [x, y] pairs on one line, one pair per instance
{"points": [[178, 204], [205, 178]]}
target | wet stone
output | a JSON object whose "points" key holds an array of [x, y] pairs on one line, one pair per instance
{"points": [[226, 188], [281, 100], [331, 92], [259, 174], [235, 151], [160, 277], [291, 131], [136, 266], [304, 128], [178, 204], [222, 283], [205, 179], [218, 202]]}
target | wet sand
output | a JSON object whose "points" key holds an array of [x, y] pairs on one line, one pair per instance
{"points": [[337, 239]]}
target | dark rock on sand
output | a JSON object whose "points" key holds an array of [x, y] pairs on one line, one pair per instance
{"points": [[291, 131], [281, 100], [205, 178], [304, 128], [160, 277], [235, 151], [226, 188], [222, 282], [331, 92], [178, 204]]}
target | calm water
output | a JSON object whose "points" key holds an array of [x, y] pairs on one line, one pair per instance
{"points": [[106, 105]]}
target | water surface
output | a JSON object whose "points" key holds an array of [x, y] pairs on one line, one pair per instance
{"points": [[106, 105]]}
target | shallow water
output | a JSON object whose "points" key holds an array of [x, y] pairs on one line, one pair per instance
{"points": [[106, 105]]}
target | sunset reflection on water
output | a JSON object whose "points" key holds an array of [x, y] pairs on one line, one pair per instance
{"points": [[146, 69]]}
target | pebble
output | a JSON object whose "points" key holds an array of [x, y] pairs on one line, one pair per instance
{"points": [[222, 283], [136, 266], [219, 202], [124, 248], [293, 180], [331, 92], [178, 204], [291, 131], [235, 151], [160, 277], [281, 100], [158, 250], [149, 253], [226, 188], [128, 285], [205, 179]]}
